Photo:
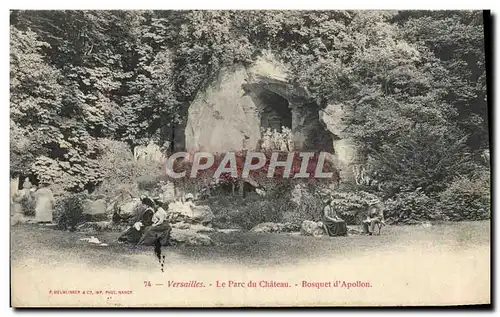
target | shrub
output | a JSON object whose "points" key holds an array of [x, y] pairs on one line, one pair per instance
{"points": [[248, 212], [28, 205], [468, 199], [147, 182], [422, 158], [122, 171], [309, 208], [69, 211], [253, 212], [117, 165], [413, 207]]}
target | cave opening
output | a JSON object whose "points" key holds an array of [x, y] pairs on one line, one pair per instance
{"points": [[275, 111]]}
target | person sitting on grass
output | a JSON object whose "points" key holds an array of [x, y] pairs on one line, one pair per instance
{"points": [[139, 223], [159, 230], [334, 225], [375, 216]]}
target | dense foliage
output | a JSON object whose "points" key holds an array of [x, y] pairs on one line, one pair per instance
{"points": [[89, 85]]}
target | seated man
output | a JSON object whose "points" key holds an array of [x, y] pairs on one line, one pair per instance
{"points": [[334, 225], [375, 216]]}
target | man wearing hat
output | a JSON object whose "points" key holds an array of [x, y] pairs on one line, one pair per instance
{"points": [[374, 216]]}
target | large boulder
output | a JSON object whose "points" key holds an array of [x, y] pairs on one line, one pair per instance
{"points": [[270, 227], [95, 210], [130, 208], [180, 208], [275, 227], [311, 228], [202, 214], [192, 213], [190, 237]]}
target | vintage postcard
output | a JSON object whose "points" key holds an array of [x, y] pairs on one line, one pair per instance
{"points": [[237, 158]]}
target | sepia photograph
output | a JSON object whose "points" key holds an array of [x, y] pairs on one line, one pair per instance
{"points": [[250, 158]]}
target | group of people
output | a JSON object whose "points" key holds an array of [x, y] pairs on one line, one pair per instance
{"points": [[336, 226], [152, 225]]}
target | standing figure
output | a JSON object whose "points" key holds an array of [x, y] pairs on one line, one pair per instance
{"points": [[27, 184], [334, 225]]}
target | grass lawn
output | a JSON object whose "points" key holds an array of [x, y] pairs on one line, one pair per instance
{"points": [[50, 246], [449, 256]]}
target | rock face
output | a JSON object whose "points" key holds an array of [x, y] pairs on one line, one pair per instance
{"points": [[231, 113], [347, 154], [311, 228], [273, 227], [223, 117]]}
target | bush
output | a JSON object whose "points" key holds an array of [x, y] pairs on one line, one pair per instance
{"points": [[412, 208], [121, 171], [349, 201], [69, 211], [421, 158], [309, 208], [245, 213], [147, 182], [28, 205], [468, 199]]}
